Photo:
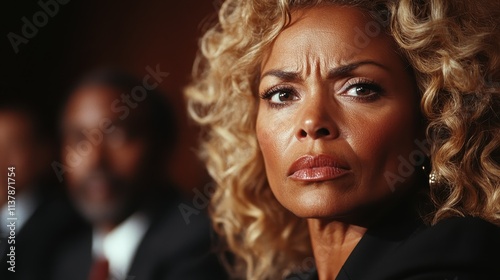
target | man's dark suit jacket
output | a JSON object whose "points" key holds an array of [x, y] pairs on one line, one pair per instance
{"points": [[454, 249], [52, 220], [170, 250]]}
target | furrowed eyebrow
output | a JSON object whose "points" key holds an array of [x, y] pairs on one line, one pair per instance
{"points": [[344, 70], [282, 75], [339, 71]]}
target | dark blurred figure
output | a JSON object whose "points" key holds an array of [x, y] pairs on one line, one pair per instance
{"points": [[117, 133], [34, 217]]}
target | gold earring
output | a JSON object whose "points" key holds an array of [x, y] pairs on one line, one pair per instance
{"points": [[433, 178]]}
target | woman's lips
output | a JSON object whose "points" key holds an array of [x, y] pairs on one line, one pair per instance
{"points": [[317, 168]]}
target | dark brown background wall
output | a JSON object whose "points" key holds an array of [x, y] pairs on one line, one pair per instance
{"points": [[83, 35]]}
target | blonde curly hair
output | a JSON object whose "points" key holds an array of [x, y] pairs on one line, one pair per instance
{"points": [[454, 49]]}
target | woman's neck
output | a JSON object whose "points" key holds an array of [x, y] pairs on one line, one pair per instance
{"points": [[332, 243]]}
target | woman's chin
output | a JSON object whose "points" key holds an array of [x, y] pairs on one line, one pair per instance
{"points": [[318, 206]]}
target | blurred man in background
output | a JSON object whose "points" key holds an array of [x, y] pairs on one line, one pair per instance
{"points": [[34, 216], [117, 133]]}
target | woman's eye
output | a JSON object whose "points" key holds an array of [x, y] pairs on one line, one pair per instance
{"points": [[279, 97], [362, 90], [282, 96]]}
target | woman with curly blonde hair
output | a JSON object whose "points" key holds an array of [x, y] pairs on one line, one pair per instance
{"points": [[353, 139]]}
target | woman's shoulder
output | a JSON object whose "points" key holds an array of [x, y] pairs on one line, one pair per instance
{"points": [[455, 248], [458, 247], [456, 238], [463, 232]]}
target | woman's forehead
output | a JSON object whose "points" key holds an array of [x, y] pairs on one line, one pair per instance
{"points": [[328, 37]]}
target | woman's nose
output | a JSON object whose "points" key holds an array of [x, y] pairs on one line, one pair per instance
{"points": [[317, 121]]}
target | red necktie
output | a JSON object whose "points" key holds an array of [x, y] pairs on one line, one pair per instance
{"points": [[99, 270]]}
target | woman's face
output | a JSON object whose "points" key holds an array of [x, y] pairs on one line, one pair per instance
{"points": [[338, 115]]}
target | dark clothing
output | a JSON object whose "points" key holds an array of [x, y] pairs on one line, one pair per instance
{"points": [[52, 220], [170, 250], [455, 249]]}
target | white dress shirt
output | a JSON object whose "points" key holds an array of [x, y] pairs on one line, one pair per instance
{"points": [[120, 245]]}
